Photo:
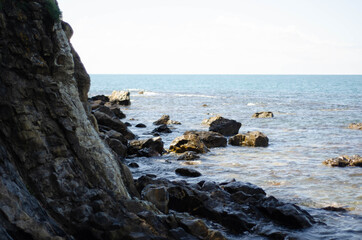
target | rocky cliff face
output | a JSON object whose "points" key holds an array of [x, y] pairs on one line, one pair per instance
{"points": [[58, 179]]}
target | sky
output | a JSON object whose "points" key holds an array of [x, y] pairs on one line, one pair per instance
{"points": [[217, 36]]}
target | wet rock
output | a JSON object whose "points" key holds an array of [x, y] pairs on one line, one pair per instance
{"points": [[188, 156], [146, 148], [211, 139], [120, 98], [187, 172], [188, 142], [116, 135], [157, 195], [248, 188], [165, 119], [115, 124], [344, 161], [133, 165], [263, 115], [140, 125], [356, 126], [117, 112], [252, 139], [335, 209], [100, 97], [162, 129], [222, 125]]}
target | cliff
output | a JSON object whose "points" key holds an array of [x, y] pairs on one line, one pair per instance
{"points": [[60, 180]]}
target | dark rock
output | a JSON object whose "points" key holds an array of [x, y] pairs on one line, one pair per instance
{"points": [[188, 156], [115, 124], [116, 135], [162, 129], [188, 142], [248, 188], [252, 139], [356, 126], [157, 195], [335, 209], [211, 139], [117, 146], [128, 124], [343, 161], [222, 125], [140, 125], [117, 112], [100, 97], [187, 172], [105, 110], [147, 148], [96, 104], [120, 98], [263, 115], [133, 165]]}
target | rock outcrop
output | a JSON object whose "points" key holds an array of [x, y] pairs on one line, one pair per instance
{"points": [[190, 141], [120, 98], [211, 139]]}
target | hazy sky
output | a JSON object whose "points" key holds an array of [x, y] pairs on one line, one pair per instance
{"points": [[217, 36]]}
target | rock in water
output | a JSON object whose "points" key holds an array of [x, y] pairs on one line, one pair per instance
{"points": [[344, 161], [263, 115], [211, 139], [222, 125], [356, 126], [188, 156], [188, 142], [120, 98], [146, 148], [187, 172], [251, 139], [165, 120]]}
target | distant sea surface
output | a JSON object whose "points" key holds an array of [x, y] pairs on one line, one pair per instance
{"points": [[311, 116]]}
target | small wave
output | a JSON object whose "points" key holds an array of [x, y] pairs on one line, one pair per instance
{"points": [[255, 104], [194, 95], [334, 109]]}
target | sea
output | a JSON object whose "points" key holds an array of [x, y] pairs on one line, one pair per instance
{"points": [[310, 125]]}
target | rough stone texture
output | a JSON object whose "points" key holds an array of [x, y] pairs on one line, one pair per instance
{"points": [[58, 178], [146, 148], [251, 139], [356, 126], [162, 129], [344, 161], [211, 139], [120, 98], [263, 115], [188, 142], [239, 207], [222, 125], [156, 195]]}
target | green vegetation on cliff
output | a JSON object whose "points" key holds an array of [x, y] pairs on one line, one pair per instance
{"points": [[53, 9]]}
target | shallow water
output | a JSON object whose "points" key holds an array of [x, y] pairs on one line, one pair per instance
{"points": [[311, 115]]}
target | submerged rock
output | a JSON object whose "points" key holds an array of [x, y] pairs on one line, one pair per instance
{"points": [[251, 139], [356, 126], [344, 161], [263, 115], [222, 125], [165, 119], [188, 142], [140, 125], [162, 129], [188, 156]]}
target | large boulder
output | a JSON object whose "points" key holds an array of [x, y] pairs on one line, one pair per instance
{"points": [[120, 98], [356, 126], [251, 139], [344, 161], [146, 148], [263, 115], [211, 139], [222, 125], [188, 142]]}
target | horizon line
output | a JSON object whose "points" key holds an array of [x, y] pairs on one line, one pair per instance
{"points": [[278, 74]]}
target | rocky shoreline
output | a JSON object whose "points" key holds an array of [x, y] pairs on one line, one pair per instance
{"points": [[62, 155]]}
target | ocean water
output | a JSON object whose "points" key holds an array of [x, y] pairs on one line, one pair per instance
{"points": [[311, 115]]}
